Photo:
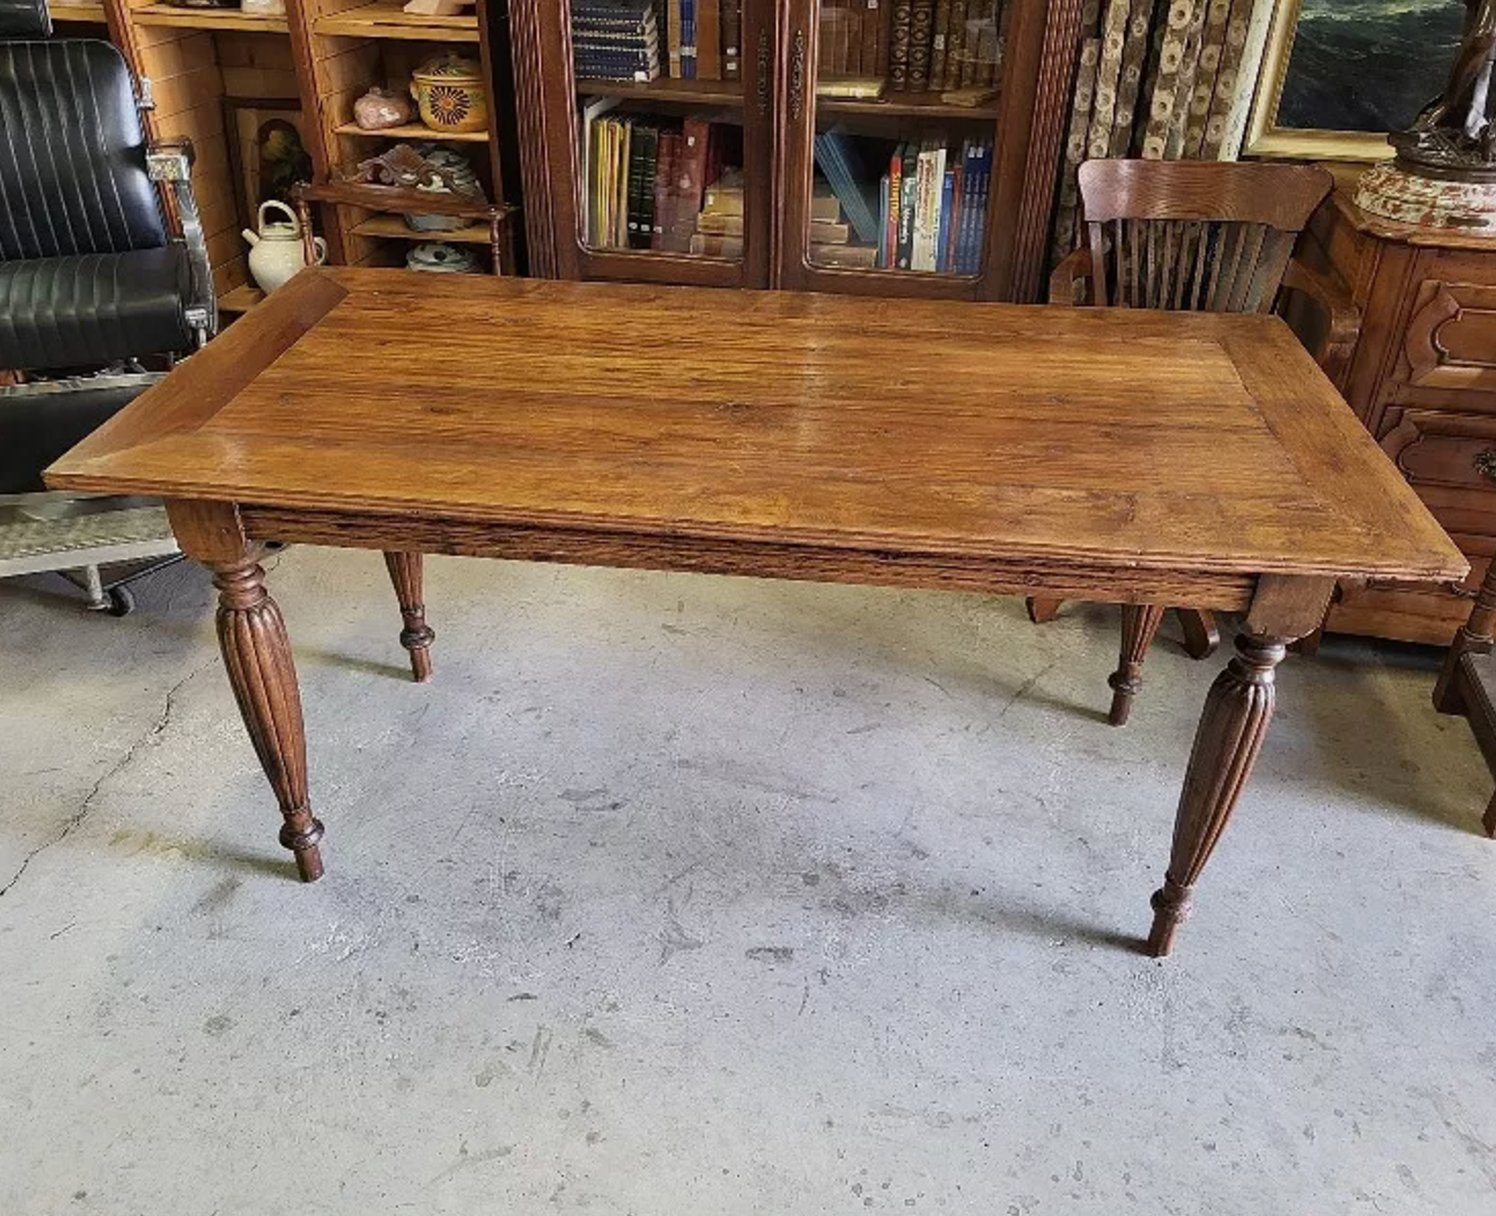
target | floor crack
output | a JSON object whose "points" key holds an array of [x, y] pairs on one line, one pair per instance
{"points": [[86, 806]]}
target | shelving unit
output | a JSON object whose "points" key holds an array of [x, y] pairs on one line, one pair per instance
{"points": [[392, 227], [92, 14], [775, 144], [387, 19], [414, 131], [176, 17], [350, 46], [239, 299]]}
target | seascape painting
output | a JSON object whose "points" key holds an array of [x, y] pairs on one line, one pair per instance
{"points": [[1367, 65]]}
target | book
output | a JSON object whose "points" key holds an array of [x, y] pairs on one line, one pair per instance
{"points": [[708, 40], [939, 44], [732, 34], [824, 205], [947, 223], [898, 45], [672, 36], [844, 257], [978, 231], [666, 168], [715, 246], [921, 22], [955, 44], [873, 20], [688, 39], [689, 182], [883, 217], [904, 249], [894, 181], [837, 157]]}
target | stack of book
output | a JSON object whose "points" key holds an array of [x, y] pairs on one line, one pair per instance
{"points": [[702, 38], [934, 207], [615, 40], [915, 45], [648, 177], [1160, 79]]}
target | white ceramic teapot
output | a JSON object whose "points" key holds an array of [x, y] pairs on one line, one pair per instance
{"points": [[276, 251]]}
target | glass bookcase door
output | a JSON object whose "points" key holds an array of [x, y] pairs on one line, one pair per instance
{"points": [[662, 153], [902, 101]]}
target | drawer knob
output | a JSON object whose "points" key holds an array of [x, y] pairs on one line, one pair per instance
{"points": [[1485, 464]]}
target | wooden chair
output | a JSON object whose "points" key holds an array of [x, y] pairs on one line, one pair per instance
{"points": [[1467, 682], [1202, 236]]}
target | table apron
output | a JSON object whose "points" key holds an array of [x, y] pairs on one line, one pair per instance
{"points": [[823, 563]]}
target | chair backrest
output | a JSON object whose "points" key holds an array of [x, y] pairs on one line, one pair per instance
{"points": [[1204, 236], [72, 153]]}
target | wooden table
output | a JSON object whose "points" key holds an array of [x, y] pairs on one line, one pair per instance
{"points": [[1136, 457]]}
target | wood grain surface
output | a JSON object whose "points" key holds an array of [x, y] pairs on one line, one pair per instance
{"points": [[1123, 440]]}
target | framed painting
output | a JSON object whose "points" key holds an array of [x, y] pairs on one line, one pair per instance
{"points": [[1338, 75], [267, 152]]}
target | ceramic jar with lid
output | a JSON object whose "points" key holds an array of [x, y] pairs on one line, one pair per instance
{"points": [[450, 93]]}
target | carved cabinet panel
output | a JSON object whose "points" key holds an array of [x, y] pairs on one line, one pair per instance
{"points": [[1450, 340]]}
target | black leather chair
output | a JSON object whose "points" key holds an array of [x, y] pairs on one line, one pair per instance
{"points": [[91, 276], [89, 272]]}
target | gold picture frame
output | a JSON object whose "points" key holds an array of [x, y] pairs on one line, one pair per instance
{"points": [[1268, 140]]}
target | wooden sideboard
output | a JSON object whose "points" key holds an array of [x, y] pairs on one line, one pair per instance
{"points": [[1423, 380]]}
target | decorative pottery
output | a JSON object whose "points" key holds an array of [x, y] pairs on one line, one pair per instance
{"points": [[381, 108], [1399, 192], [438, 257], [263, 8], [276, 251], [450, 93]]}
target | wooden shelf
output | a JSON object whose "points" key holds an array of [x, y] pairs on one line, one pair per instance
{"points": [[206, 19], [387, 19], [77, 12], [395, 228], [680, 92], [907, 105], [412, 130], [240, 299]]}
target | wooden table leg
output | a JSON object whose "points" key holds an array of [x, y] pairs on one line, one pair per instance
{"points": [[1237, 711], [1139, 623], [1201, 637], [1042, 609], [257, 655], [405, 572]]}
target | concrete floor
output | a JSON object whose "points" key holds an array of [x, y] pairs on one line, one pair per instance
{"points": [[688, 895]]}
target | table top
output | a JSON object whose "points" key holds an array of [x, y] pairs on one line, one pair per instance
{"points": [[1196, 442]]}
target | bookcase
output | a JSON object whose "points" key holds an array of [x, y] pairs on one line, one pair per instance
{"points": [[218, 76], [887, 147]]}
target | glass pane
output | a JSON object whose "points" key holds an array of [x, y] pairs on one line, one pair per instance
{"points": [[905, 106], [660, 98]]}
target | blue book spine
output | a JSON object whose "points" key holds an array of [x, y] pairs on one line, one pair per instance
{"points": [[968, 206], [979, 216], [688, 39], [947, 214], [882, 260]]}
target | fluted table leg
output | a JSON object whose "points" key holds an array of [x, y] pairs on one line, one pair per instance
{"points": [[257, 656], [1237, 711], [405, 573], [1139, 623]]}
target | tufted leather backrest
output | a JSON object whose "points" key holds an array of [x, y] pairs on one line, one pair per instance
{"points": [[24, 19], [72, 154]]}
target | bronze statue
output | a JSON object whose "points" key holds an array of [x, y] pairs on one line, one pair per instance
{"points": [[1454, 134]]}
